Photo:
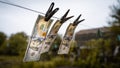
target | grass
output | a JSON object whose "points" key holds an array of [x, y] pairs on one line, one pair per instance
{"points": [[16, 62]]}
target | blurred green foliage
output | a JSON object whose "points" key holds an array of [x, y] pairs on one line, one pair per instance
{"points": [[2, 38], [15, 45], [13, 49], [115, 23]]}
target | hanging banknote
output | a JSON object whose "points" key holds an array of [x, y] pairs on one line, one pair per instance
{"points": [[38, 35], [65, 44], [53, 33]]}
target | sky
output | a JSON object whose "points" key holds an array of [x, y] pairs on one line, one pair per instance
{"points": [[13, 19]]}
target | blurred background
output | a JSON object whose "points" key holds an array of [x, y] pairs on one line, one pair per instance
{"points": [[96, 41]]}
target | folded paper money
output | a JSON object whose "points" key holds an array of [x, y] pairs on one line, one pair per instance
{"points": [[65, 44], [35, 41]]}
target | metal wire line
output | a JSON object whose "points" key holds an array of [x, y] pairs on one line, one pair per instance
{"points": [[24, 8], [31, 10]]}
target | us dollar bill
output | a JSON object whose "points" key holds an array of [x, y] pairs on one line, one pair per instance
{"points": [[36, 40], [65, 44], [51, 37]]}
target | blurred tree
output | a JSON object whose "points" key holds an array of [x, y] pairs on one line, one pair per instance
{"points": [[74, 51], [94, 56], [99, 33], [92, 53], [115, 28], [3, 48], [56, 43], [115, 23], [2, 38], [73, 45], [17, 43]]}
